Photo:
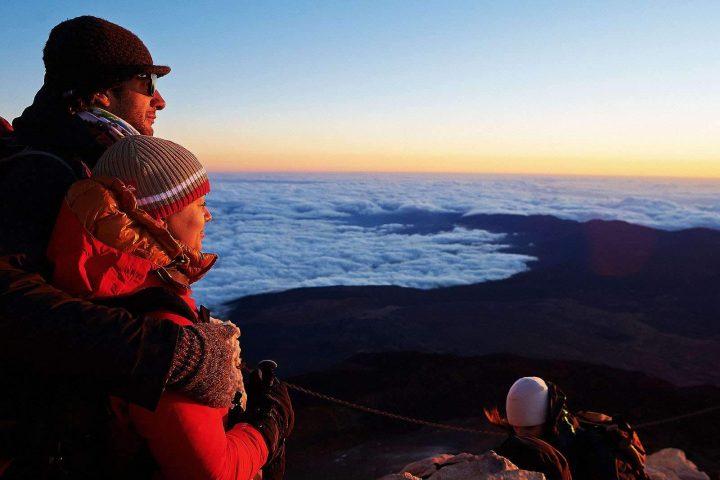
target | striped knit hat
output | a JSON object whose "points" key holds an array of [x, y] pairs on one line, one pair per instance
{"points": [[166, 176]]}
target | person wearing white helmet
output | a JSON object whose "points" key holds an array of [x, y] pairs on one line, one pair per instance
{"points": [[527, 407], [545, 436]]}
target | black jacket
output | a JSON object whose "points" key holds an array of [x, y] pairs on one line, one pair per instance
{"points": [[43, 330], [52, 344], [535, 455], [76, 436]]}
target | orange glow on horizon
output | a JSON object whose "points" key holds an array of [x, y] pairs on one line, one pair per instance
{"points": [[461, 164], [515, 153]]}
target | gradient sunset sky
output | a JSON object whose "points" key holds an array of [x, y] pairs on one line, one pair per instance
{"points": [[600, 88]]}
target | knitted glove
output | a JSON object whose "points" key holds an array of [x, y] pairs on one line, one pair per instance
{"points": [[269, 410], [206, 361], [240, 399]]}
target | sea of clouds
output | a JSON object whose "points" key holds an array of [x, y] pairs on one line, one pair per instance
{"points": [[280, 231]]}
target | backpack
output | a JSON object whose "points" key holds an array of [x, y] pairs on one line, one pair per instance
{"points": [[32, 185], [608, 448]]}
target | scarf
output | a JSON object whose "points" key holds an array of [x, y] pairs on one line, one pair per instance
{"points": [[83, 136], [107, 128]]}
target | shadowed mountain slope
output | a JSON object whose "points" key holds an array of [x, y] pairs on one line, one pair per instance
{"points": [[607, 292]]}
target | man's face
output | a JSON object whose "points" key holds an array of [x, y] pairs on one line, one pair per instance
{"points": [[136, 108]]}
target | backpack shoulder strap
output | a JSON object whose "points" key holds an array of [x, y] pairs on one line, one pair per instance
{"points": [[29, 152]]}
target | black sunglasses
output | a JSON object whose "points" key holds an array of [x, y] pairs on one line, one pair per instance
{"points": [[151, 80]]}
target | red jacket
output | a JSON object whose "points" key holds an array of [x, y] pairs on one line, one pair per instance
{"points": [[103, 246]]}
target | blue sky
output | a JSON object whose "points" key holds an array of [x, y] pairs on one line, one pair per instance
{"points": [[558, 87]]}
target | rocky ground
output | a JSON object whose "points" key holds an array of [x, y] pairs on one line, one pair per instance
{"points": [[667, 464], [464, 466]]}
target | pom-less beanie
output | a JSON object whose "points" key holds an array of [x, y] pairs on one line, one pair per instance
{"points": [[527, 402], [166, 176], [88, 51]]}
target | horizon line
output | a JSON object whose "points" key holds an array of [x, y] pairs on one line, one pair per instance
{"points": [[498, 174]]}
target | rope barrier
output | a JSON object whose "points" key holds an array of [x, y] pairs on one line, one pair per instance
{"points": [[382, 413], [445, 426], [663, 421], [457, 428]]}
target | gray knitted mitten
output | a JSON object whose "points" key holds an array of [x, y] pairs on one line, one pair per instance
{"points": [[205, 363]]}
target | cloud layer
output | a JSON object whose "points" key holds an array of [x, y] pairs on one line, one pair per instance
{"points": [[280, 231]]}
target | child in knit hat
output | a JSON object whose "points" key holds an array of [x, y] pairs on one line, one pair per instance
{"points": [[145, 200], [133, 233], [166, 177]]}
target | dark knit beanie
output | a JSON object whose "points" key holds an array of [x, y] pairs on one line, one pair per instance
{"points": [[89, 52], [166, 176]]}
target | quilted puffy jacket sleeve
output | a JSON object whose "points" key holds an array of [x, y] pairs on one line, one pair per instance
{"points": [[189, 440]]}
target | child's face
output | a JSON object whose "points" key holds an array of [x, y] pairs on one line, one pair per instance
{"points": [[188, 225]]}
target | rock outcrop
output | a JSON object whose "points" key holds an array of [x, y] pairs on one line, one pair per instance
{"points": [[672, 464], [488, 466], [666, 464]]}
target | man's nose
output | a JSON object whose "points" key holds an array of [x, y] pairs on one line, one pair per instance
{"points": [[157, 101], [208, 215]]}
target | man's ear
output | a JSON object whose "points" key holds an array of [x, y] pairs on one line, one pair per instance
{"points": [[101, 99]]}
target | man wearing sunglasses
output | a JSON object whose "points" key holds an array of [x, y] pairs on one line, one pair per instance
{"points": [[100, 85], [135, 100]]}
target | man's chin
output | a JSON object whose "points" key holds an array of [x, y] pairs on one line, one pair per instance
{"points": [[146, 130]]}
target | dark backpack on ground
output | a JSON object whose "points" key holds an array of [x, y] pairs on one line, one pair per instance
{"points": [[607, 448], [598, 447]]}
